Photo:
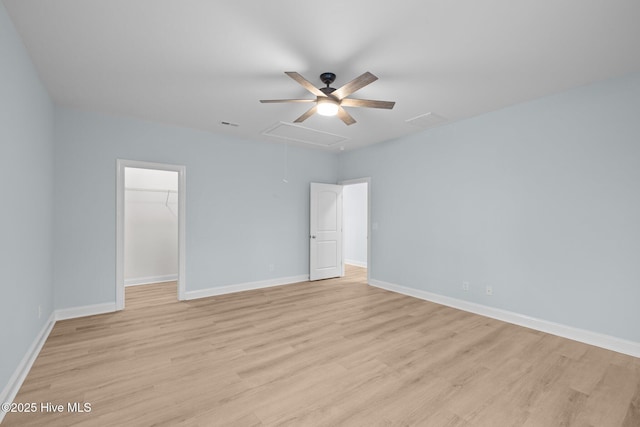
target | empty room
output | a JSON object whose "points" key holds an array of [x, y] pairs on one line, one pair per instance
{"points": [[264, 213]]}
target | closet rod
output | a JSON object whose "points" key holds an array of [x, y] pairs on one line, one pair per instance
{"points": [[150, 189]]}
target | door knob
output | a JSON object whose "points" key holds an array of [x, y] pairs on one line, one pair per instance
{"points": [[313, 237]]}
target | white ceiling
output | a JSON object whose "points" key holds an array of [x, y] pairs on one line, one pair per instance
{"points": [[197, 63]]}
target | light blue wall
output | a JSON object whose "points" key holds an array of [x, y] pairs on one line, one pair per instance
{"points": [[540, 200], [241, 216], [26, 165]]}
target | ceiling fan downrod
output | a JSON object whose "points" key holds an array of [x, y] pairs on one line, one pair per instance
{"points": [[327, 78]]}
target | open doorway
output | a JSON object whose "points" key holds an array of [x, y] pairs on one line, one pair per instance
{"points": [[150, 236], [356, 227], [150, 233]]}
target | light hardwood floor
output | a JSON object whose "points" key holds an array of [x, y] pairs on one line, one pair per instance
{"points": [[331, 353]]}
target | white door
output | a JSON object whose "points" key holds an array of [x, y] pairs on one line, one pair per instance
{"points": [[325, 236]]}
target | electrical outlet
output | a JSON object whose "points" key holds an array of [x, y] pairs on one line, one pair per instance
{"points": [[489, 290], [465, 286]]}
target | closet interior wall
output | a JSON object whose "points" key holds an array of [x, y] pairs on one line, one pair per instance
{"points": [[151, 226]]}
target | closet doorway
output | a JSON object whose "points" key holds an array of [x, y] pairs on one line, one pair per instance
{"points": [[150, 228], [356, 230]]}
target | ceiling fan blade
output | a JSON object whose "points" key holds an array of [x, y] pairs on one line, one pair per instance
{"points": [[345, 117], [271, 101], [349, 102], [304, 83], [310, 112], [354, 85]]}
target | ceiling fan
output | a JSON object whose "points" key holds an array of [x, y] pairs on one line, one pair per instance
{"points": [[329, 101]]}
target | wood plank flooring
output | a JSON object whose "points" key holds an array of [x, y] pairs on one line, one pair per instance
{"points": [[328, 353]]}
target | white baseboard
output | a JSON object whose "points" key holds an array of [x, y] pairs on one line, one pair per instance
{"points": [[241, 287], [150, 279], [15, 382], [608, 342], [87, 310], [362, 264]]}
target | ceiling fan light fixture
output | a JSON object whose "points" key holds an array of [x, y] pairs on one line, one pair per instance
{"points": [[327, 106], [329, 101]]}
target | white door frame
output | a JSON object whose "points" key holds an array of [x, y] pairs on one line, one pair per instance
{"points": [[121, 164], [360, 181]]}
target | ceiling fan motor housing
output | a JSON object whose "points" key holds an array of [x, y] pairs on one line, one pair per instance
{"points": [[327, 90]]}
